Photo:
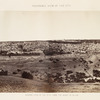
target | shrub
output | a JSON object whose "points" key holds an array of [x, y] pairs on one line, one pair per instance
{"points": [[18, 70], [54, 48], [2, 72], [14, 72], [96, 73], [69, 72], [27, 75]]}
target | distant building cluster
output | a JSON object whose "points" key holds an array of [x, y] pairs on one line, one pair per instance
{"points": [[49, 47]]}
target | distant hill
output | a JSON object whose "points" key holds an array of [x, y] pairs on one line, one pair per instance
{"points": [[49, 47]]}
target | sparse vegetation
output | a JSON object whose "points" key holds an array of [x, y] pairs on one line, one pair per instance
{"points": [[27, 75], [2, 72], [67, 63], [96, 73]]}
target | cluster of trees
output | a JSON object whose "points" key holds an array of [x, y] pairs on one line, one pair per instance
{"points": [[54, 48]]}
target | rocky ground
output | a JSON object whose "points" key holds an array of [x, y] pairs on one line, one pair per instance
{"points": [[50, 66], [58, 73]]}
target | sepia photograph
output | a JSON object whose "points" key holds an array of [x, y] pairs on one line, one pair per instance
{"points": [[50, 66], [50, 51]]}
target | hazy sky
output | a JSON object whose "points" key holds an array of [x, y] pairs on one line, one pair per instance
{"points": [[35, 25]]}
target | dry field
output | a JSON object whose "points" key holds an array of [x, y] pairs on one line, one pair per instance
{"points": [[39, 66]]}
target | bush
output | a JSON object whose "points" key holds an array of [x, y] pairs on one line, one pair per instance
{"points": [[80, 75], [96, 73], [19, 70], [14, 72], [69, 72], [27, 75], [2, 72], [91, 81], [54, 48]]}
